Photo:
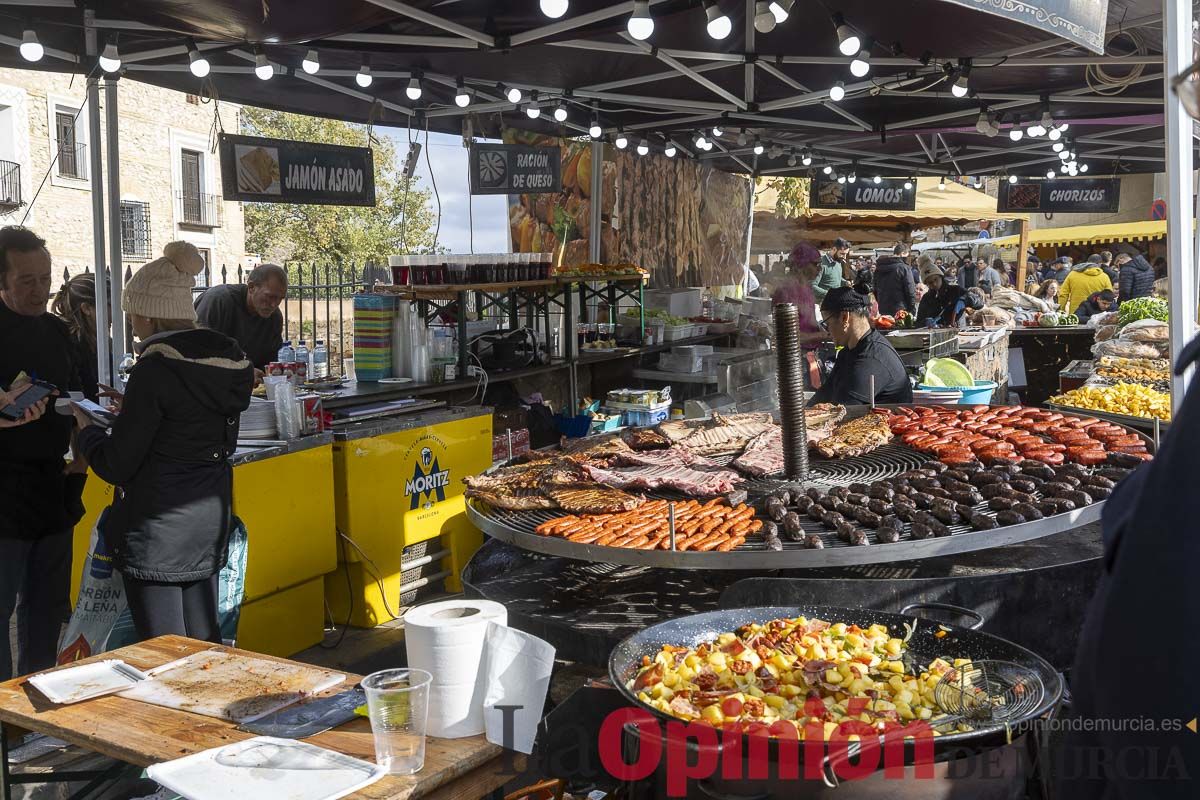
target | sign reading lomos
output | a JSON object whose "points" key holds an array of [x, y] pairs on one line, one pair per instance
{"points": [[887, 195], [261, 170], [1066, 196], [515, 169]]}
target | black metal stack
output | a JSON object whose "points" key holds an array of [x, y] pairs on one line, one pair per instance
{"points": [[791, 392]]}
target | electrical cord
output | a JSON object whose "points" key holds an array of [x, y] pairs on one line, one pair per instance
{"points": [[349, 594], [483, 378], [433, 180], [376, 573], [408, 179], [1105, 83]]}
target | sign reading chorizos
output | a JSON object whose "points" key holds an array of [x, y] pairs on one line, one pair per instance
{"points": [[261, 170], [1067, 196]]}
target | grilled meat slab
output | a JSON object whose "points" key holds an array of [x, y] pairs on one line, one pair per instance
{"points": [[689, 480], [677, 454], [513, 500], [595, 500], [645, 439], [856, 437]]}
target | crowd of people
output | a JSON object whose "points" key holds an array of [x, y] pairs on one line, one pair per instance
{"points": [[938, 292], [166, 454]]}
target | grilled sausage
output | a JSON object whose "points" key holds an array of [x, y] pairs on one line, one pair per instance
{"points": [[1028, 511], [945, 514], [857, 499], [957, 475], [774, 543], [1080, 499], [982, 522], [937, 466], [1048, 507], [1097, 492], [803, 503], [817, 512], [921, 531], [859, 538], [770, 529], [839, 492], [858, 487], [1057, 489], [782, 495], [878, 506], [985, 479], [1097, 480], [879, 492], [1001, 503], [867, 517], [776, 509], [792, 528], [1112, 473], [1009, 518], [926, 483], [815, 494], [813, 542], [845, 530], [924, 501], [906, 513], [1036, 469], [996, 490], [1028, 487], [971, 498]]}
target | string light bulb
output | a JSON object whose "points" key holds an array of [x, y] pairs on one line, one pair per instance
{"points": [[311, 63], [1083, 167], [641, 24], [1049, 174], [263, 68], [719, 25], [554, 8], [861, 64], [1058, 146], [1012, 178], [595, 131], [828, 169], [462, 98], [669, 151], [1015, 133], [841, 179], [781, 9], [758, 146], [110, 59], [560, 112], [533, 110], [31, 49], [806, 158], [413, 91], [961, 85], [791, 162], [877, 180], [1055, 134], [511, 92], [197, 63], [622, 141], [853, 177], [942, 184], [837, 92], [908, 184], [978, 182], [848, 41], [643, 147], [764, 18], [717, 130]]}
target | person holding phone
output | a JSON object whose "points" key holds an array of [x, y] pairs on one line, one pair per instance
{"points": [[32, 413], [38, 504], [168, 452]]}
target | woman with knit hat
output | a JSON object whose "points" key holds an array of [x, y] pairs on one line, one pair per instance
{"points": [[168, 453]]}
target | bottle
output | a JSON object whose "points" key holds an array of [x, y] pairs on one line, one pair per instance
{"points": [[123, 369], [301, 356], [320, 361], [287, 353]]}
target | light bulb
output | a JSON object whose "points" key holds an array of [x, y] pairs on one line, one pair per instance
{"points": [[828, 170], [781, 9], [621, 141], [1083, 167], [837, 92], [1062, 126], [31, 49], [764, 18], [841, 179], [701, 142], [413, 91], [758, 148], [707, 145], [941, 184], [311, 63], [853, 177], [1050, 174], [978, 182], [669, 151], [461, 98], [1058, 146], [848, 41], [908, 185], [982, 124], [719, 25], [1033, 130], [792, 158], [641, 24], [1015, 133], [514, 95], [560, 113], [1012, 178], [806, 159], [741, 138], [262, 67], [960, 88], [1065, 155], [1046, 121], [595, 131], [1055, 134], [718, 130], [532, 111], [197, 63], [364, 78], [643, 147], [775, 152], [110, 59], [861, 64], [554, 8], [877, 179]]}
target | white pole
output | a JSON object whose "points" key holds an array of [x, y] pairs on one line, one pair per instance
{"points": [[1181, 275], [117, 285], [96, 174]]}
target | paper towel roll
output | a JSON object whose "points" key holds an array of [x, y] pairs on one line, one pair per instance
{"points": [[446, 640]]}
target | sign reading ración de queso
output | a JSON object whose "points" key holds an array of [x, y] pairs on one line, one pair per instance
{"points": [[1066, 196], [515, 169], [261, 170], [862, 195]]}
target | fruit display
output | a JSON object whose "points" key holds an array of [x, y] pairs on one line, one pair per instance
{"points": [[661, 314], [1134, 374], [1157, 364], [1142, 308], [1051, 319], [1131, 399], [601, 270], [961, 436]]}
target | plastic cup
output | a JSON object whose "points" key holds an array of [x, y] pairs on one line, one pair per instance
{"points": [[400, 272], [397, 704]]}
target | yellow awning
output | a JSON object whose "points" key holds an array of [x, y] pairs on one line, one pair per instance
{"points": [[1090, 234]]}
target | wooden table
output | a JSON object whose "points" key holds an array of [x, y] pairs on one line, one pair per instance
{"points": [[141, 734]]}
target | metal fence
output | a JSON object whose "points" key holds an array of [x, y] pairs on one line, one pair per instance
{"points": [[10, 185], [319, 304]]}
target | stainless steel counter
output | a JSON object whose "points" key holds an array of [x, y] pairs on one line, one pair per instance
{"points": [[246, 452]]}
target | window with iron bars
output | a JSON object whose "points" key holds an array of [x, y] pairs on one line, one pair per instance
{"points": [[135, 230]]}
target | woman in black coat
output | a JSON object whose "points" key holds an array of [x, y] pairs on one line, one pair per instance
{"points": [[168, 453], [75, 304]]}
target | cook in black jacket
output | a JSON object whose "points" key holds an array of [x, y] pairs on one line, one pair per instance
{"points": [[867, 359], [168, 452], [894, 289], [35, 495]]}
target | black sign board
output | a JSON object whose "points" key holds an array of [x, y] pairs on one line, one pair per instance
{"points": [[1067, 196], [1079, 21], [260, 170], [862, 195], [515, 169]]}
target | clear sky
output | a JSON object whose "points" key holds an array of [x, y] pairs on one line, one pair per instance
{"points": [[448, 158]]}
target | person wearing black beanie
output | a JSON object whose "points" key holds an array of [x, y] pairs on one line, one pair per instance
{"points": [[866, 361]]}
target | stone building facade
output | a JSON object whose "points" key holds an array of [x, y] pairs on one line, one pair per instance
{"points": [[169, 173]]}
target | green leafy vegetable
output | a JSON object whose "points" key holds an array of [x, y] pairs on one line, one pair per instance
{"points": [[1142, 308]]}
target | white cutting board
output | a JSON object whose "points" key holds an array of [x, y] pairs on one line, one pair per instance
{"points": [[231, 686]]}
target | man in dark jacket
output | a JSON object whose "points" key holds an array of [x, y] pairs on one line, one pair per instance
{"points": [[1136, 277], [894, 289], [1097, 303], [968, 274], [35, 524], [249, 314], [1127, 740]]}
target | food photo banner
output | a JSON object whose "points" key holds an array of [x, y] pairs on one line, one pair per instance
{"points": [[1072, 196], [515, 169], [259, 170], [863, 195], [1078, 21]]}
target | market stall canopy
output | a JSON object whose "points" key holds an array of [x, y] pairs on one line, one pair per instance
{"points": [[943, 85], [1145, 230], [956, 204]]}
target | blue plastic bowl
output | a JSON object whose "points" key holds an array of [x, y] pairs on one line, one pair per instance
{"points": [[980, 394]]}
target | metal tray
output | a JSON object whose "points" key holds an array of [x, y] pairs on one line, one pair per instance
{"points": [[517, 527], [1125, 420]]}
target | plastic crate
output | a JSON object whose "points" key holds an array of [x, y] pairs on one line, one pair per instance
{"points": [[699, 328], [680, 362], [674, 333]]}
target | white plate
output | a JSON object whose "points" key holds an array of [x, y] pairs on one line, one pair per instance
{"points": [[75, 684], [395, 380]]}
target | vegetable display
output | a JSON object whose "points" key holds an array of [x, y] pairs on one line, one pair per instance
{"points": [[1142, 308], [1132, 399]]}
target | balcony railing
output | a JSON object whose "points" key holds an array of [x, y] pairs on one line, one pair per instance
{"points": [[198, 209], [10, 185], [72, 160]]}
